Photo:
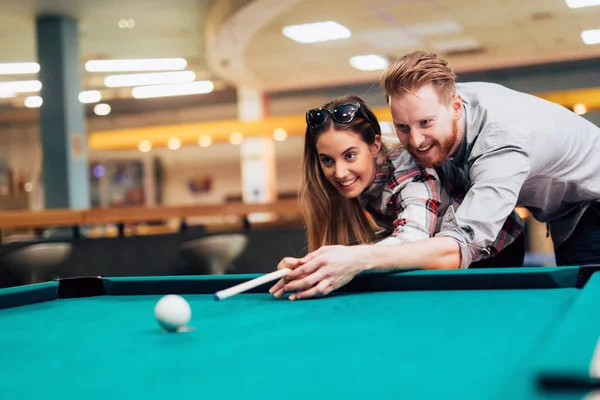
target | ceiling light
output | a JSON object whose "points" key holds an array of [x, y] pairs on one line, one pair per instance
{"points": [[317, 32], [174, 143], [8, 89], [126, 23], [582, 3], [90, 96], [33, 101], [177, 89], [156, 78], [579, 109], [205, 141], [145, 146], [456, 45], [591, 36], [369, 62], [445, 27], [141, 64], [102, 109], [19, 68], [236, 138], [279, 134], [390, 39]]}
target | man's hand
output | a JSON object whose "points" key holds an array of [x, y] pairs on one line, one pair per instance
{"points": [[321, 272]]}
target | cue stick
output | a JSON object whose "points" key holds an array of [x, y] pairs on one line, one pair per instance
{"points": [[251, 284], [242, 287]]}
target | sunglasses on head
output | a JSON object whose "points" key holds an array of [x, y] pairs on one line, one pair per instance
{"points": [[342, 114]]}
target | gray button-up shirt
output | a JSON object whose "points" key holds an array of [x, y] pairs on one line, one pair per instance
{"points": [[520, 150]]}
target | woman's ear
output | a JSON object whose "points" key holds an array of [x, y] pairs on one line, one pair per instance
{"points": [[376, 146]]}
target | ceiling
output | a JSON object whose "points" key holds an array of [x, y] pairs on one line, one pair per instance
{"points": [[509, 32], [163, 28], [243, 44]]}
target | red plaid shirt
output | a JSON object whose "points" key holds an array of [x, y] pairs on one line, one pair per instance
{"points": [[410, 201], [404, 198]]}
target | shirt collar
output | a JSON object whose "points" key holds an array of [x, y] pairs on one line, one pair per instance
{"points": [[382, 175]]}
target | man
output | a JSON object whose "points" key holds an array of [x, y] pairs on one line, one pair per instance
{"points": [[494, 148]]}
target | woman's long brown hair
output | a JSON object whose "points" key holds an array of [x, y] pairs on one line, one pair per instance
{"points": [[331, 218]]}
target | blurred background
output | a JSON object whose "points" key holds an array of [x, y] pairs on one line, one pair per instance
{"points": [[167, 103]]}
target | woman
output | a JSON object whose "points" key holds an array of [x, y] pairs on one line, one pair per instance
{"points": [[348, 171]]}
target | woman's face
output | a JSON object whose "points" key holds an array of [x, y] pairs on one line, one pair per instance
{"points": [[347, 161]]}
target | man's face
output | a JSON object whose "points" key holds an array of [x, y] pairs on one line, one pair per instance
{"points": [[427, 127]]}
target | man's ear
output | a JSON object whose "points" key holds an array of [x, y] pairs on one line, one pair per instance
{"points": [[457, 106]]}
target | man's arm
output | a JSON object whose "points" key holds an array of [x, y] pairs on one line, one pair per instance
{"points": [[433, 253], [497, 178]]}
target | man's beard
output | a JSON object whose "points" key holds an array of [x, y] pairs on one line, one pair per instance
{"points": [[441, 151]]}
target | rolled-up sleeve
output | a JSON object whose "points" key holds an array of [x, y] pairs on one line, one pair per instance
{"points": [[496, 180], [417, 199]]}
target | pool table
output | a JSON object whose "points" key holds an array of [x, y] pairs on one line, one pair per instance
{"points": [[522, 333]]}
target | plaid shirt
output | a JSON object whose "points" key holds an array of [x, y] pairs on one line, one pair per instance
{"points": [[411, 202], [404, 198]]}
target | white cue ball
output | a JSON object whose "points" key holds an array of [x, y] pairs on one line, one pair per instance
{"points": [[172, 312]]}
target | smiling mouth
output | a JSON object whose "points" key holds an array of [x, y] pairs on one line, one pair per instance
{"points": [[424, 149], [348, 182]]}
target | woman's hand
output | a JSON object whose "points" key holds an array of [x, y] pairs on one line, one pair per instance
{"points": [[321, 272]]}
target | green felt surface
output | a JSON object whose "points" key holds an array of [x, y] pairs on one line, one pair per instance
{"points": [[461, 344], [579, 332]]}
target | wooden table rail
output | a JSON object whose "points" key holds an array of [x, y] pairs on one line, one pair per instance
{"points": [[100, 216]]}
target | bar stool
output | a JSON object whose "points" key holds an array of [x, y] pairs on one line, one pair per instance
{"points": [[38, 262], [214, 255]]}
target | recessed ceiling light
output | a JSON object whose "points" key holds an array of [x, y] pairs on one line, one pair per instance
{"points": [[8, 89], [174, 143], [579, 109], [145, 146], [456, 45], [140, 64], [205, 141], [369, 62], [102, 109], [152, 78], [126, 23], [33, 102], [591, 36], [445, 27], [176, 89], [582, 3], [317, 32], [236, 138], [90, 96], [279, 134], [19, 68]]}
